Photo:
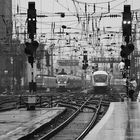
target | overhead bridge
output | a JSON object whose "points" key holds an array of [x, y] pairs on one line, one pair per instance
{"points": [[106, 60]]}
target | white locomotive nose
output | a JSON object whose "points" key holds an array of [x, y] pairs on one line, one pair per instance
{"points": [[100, 81]]}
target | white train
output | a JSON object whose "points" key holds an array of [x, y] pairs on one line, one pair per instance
{"points": [[44, 81], [68, 82], [100, 81]]}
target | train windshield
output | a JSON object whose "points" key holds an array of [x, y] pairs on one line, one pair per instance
{"points": [[39, 78], [62, 78], [100, 78]]}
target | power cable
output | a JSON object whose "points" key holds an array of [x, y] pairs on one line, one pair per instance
{"points": [[117, 5], [94, 2], [63, 6]]}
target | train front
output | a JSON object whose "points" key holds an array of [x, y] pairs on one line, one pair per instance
{"points": [[40, 82], [100, 82], [62, 82]]}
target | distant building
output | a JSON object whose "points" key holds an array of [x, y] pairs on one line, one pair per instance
{"points": [[5, 19], [11, 70]]}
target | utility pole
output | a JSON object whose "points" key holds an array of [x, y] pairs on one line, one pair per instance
{"points": [[51, 48], [52, 43], [31, 23]]}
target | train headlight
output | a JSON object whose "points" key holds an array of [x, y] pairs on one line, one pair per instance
{"points": [[58, 82], [65, 82]]}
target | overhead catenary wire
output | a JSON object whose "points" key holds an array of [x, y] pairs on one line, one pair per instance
{"points": [[78, 1], [65, 21]]}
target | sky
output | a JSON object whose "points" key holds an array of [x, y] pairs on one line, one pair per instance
{"points": [[53, 5], [49, 8]]}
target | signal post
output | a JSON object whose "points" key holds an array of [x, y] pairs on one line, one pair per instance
{"points": [[85, 65], [30, 51], [128, 48]]}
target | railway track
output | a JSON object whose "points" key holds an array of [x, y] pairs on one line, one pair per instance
{"points": [[85, 111], [8, 103], [80, 125], [72, 126]]}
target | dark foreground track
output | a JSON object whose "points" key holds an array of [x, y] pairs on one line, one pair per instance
{"points": [[83, 111]]}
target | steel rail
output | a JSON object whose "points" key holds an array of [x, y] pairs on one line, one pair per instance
{"points": [[92, 123], [53, 132]]}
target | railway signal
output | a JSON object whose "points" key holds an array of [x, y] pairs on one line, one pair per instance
{"points": [[127, 22], [126, 50], [30, 51], [85, 60], [62, 15], [84, 67], [31, 20]]}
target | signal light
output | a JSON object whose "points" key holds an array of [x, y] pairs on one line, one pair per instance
{"points": [[31, 19], [126, 50], [85, 60], [31, 48], [85, 66], [123, 52], [64, 26], [62, 15], [126, 23]]}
